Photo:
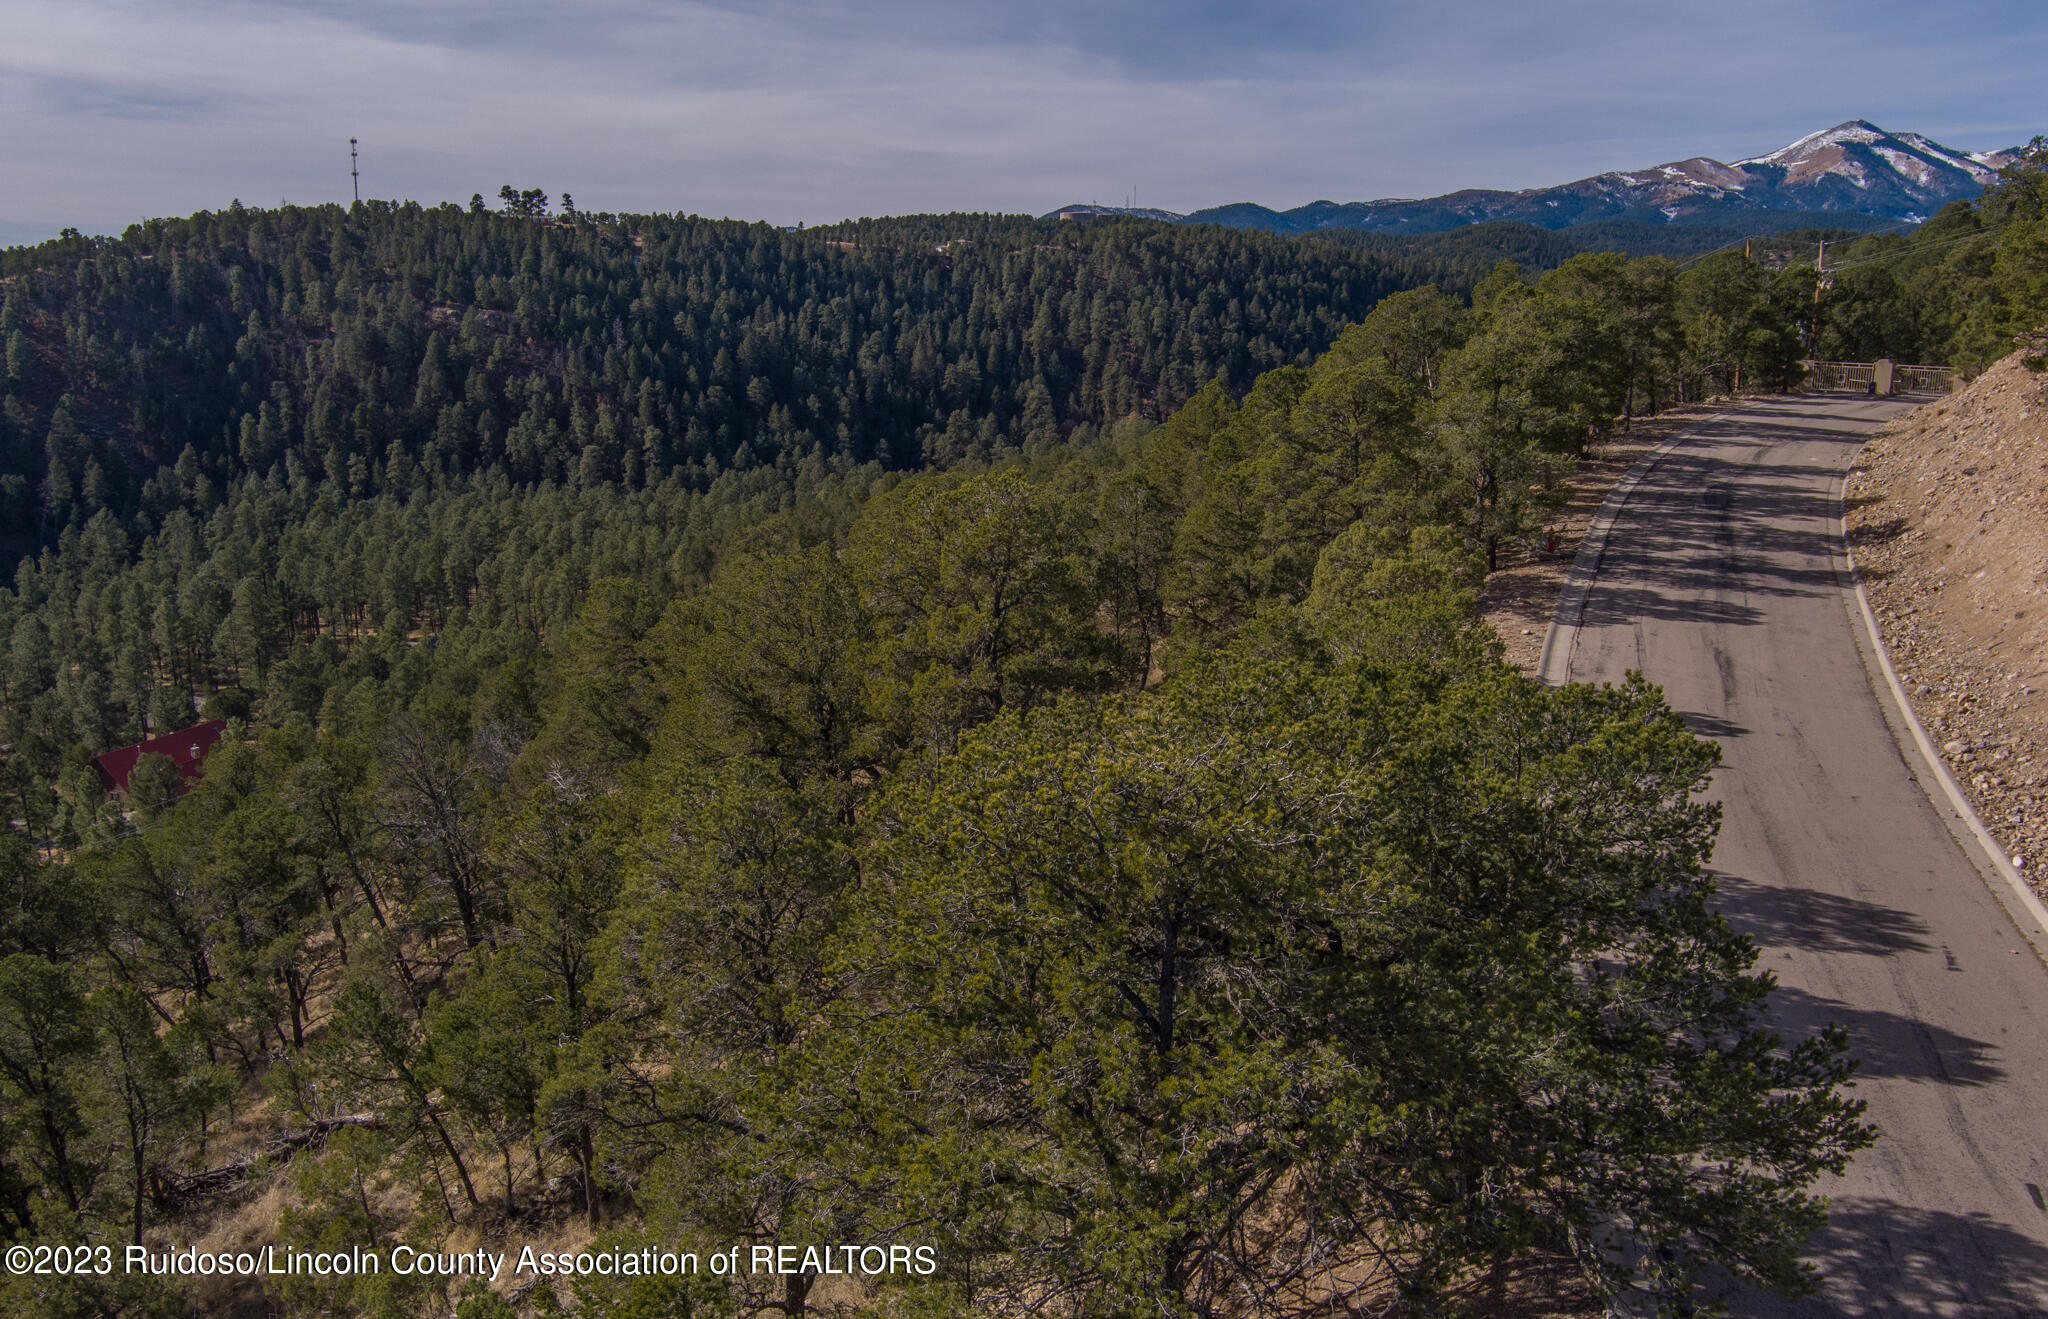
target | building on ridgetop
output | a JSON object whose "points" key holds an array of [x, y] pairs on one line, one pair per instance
{"points": [[186, 748]]}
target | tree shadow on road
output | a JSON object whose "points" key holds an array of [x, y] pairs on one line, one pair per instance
{"points": [[1683, 563], [1888, 1044], [1820, 922], [1879, 1257], [1711, 522], [1711, 725]]}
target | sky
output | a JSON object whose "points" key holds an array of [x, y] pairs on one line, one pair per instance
{"points": [[816, 110]]}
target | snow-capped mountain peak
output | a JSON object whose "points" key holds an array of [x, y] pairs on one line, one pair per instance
{"points": [[1864, 155], [1853, 169], [1860, 131]]}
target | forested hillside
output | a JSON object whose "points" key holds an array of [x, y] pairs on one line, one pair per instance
{"points": [[392, 346], [1537, 249], [741, 737], [1961, 289], [248, 451]]}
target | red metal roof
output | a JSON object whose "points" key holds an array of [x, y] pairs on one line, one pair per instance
{"points": [[186, 748]]}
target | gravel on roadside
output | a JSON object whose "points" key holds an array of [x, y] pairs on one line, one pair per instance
{"points": [[1947, 511]]}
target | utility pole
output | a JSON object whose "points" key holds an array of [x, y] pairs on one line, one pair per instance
{"points": [[1820, 275], [355, 178]]}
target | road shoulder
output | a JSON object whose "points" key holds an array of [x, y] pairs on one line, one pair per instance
{"points": [[1520, 599]]}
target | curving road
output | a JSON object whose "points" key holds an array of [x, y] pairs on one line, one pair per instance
{"points": [[1722, 578]]}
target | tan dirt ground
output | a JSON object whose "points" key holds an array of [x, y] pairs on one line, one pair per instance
{"points": [[1519, 598], [1948, 516]]}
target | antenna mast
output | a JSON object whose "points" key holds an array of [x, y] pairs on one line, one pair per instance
{"points": [[355, 178]]}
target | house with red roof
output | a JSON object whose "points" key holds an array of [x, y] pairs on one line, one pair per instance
{"points": [[187, 748]]}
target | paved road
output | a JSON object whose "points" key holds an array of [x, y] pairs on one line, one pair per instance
{"points": [[1721, 582]]}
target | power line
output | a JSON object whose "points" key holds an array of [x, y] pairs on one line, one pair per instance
{"points": [[1743, 242], [1916, 249], [1747, 240]]}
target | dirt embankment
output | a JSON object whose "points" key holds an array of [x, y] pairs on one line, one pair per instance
{"points": [[1520, 597], [1948, 515]]}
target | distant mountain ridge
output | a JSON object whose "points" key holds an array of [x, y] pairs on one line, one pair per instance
{"points": [[1854, 175]]}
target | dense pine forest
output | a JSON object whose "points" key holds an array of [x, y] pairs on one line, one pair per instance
{"points": [[957, 732], [391, 346]]}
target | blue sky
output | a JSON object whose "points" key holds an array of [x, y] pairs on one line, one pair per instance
{"points": [[813, 110]]}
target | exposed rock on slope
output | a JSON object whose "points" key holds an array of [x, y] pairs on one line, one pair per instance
{"points": [[1949, 518]]}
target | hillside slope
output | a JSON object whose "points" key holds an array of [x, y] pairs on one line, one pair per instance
{"points": [[1949, 519], [377, 346]]}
